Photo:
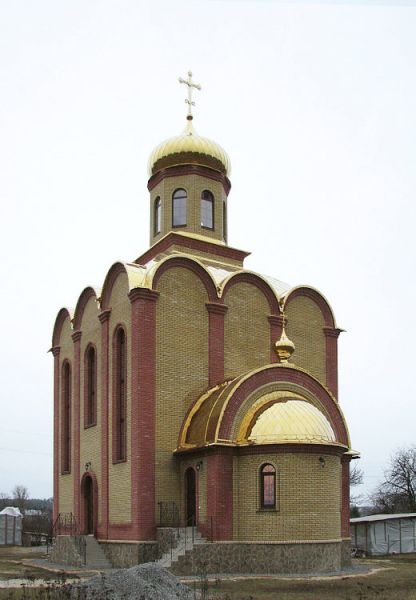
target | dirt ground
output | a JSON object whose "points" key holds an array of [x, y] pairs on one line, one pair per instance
{"points": [[392, 578]]}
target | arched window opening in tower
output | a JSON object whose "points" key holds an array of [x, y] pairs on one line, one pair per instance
{"points": [[66, 417], [179, 208], [157, 216], [268, 486], [207, 210], [90, 387], [120, 429], [224, 220]]}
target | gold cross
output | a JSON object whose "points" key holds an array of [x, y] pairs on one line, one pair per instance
{"points": [[190, 85]]}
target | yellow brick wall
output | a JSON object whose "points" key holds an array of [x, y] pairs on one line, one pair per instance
{"points": [[308, 498], [66, 482], [90, 438], [304, 328], [194, 185], [246, 330], [182, 368], [120, 474]]}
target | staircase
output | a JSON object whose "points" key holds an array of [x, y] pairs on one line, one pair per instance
{"points": [[187, 539], [94, 554]]}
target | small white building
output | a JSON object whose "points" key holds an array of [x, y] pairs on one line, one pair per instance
{"points": [[10, 526], [384, 534]]}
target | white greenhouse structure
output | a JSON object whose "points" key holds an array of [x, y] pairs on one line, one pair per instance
{"points": [[10, 527], [384, 534]]}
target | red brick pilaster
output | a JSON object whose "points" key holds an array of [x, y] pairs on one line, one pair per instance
{"points": [[103, 497], [220, 493], [331, 335], [56, 370], [76, 336], [143, 412], [345, 496], [216, 342], [276, 326]]}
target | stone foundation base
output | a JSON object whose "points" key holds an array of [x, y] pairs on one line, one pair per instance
{"points": [[123, 555], [346, 553], [240, 557]]}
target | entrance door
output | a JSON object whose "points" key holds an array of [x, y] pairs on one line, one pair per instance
{"points": [[190, 482], [89, 506]]}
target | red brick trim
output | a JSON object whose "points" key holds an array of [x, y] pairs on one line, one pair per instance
{"points": [[83, 501], [257, 282], [109, 282], [290, 449], [104, 320], [191, 265], [273, 374], [56, 351], [331, 335], [216, 342], [220, 492], [319, 300], [76, 398], [143, 412], [122, 532], [85, 296], [183, 170], [276, 326], [61, 317], [190, 243], [345, 496]]}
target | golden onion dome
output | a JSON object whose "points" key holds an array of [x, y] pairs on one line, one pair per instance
{"points": [[292, 421], [189, 148]]}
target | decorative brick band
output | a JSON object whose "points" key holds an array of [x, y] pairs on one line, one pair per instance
{"points": [[178, 170], [257, 282], [191, 265]]}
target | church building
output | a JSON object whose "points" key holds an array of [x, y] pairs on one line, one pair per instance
{"points": [[189, 390]]}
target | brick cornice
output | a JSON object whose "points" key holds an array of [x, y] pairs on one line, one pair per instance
{"points": [[191, 243], [332, 331], [143, 294], [56, 351], [188, 169], [277, 320], [105, 315], [216, 308], [76, 336]]}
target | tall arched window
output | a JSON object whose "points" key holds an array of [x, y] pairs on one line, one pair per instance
{"points": [[66, 418], [207, 210], [90, 387], [224, 220], [268, 486], [157, 216], [120, 396], [179, 208]]}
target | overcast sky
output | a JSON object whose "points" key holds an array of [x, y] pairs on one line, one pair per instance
{"points": [[315, 104]]}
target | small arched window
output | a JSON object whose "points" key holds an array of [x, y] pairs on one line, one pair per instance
{"points": [[90, 385], [268, 486], [66, 418], [179, 208], [120, 396], [207, 210], [157, 216]]}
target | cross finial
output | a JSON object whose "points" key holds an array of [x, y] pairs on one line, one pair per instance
{"points": [[189, 100]]}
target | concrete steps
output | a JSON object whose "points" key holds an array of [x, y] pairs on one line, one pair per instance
{"points": [[94, 554], [185, 543]]}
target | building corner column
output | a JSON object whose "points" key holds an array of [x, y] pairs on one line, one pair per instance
{"points": [[76, 337], [143, 412], [216, 314], [220, 497], [103, 526], [331, 336], [345, 496]]}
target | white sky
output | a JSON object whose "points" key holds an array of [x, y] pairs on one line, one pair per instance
{"points": [[315, 104]]}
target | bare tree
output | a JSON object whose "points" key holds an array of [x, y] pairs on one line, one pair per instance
{"points": [[397, 493], [4, 500], [20, 495], [356, 478]]}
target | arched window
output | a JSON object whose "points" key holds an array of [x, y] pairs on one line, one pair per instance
{"points": [[268, 486], [90, 387], [157, 214], [119, 396], [66, 418], [224, 220], [207, 210], [179, 208]]}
